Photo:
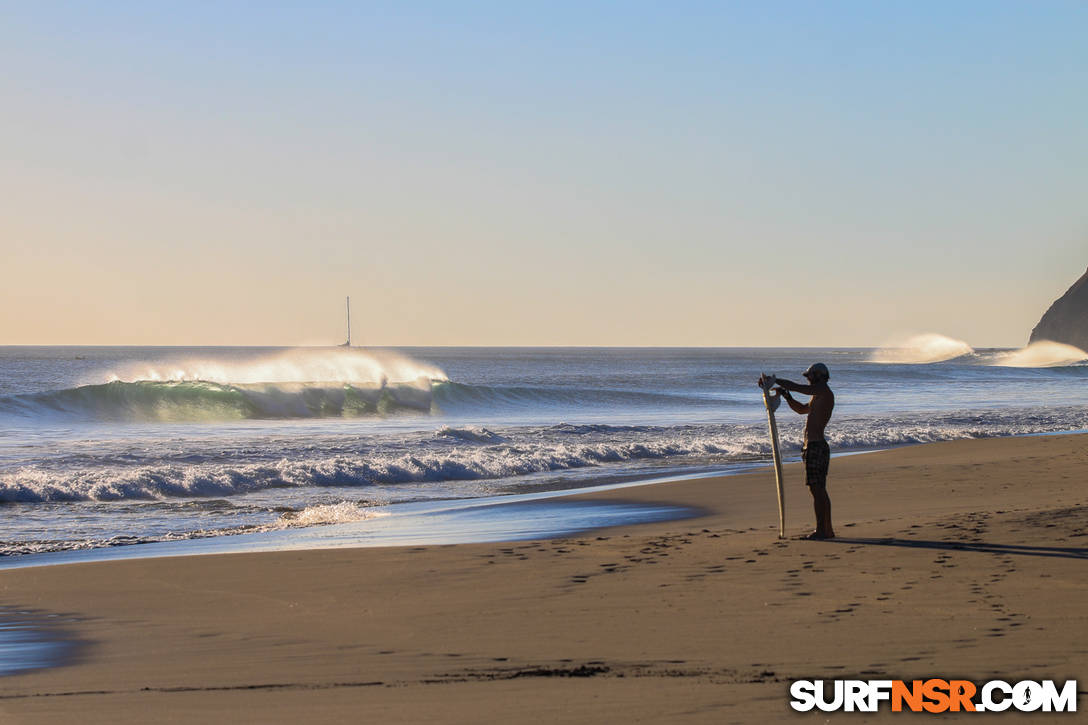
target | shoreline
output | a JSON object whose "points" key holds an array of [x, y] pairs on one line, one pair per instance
{"points": [[414, 524], [942, 553]]}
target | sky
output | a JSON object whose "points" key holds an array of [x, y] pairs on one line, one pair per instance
{"points": [[553, 173]]}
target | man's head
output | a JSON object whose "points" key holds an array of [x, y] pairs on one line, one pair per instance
{"points": [[817, 373]]}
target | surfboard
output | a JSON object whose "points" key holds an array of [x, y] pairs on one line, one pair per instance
{"points": [[772, 401]]}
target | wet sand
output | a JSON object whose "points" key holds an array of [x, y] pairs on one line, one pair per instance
{"points": [[965, 559]]}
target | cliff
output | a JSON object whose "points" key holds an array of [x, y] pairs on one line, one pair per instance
{"points": [[1067, 319]]}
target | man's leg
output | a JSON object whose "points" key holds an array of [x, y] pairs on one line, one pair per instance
{"points": [[817, 456], [821, 505]]}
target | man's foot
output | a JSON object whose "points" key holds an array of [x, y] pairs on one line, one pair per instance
{"points": [[819, 536]]}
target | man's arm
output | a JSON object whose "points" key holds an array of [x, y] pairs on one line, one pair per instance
{"points": [[789, 385], [798, 407]]}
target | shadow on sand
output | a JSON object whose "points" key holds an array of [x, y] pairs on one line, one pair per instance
{"points": [[1064, 552]]}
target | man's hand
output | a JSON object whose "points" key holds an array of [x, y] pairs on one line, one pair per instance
{"points": [[782, 391]]}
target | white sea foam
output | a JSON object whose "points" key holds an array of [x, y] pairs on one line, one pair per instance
{"points": [[322, 514], [444, 463], [1042, 354], [317, 515], [473, 435], [300, 365], [926, 348]]}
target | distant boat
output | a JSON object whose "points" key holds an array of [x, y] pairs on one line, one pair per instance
{"points": [[348, 343]]}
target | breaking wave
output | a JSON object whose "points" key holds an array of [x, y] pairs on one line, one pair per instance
{"points": [[183, 400], [475, 455], [298, 383], [202, 400], [348, 366], [317, 515], [1042, 354], [927, 348]]}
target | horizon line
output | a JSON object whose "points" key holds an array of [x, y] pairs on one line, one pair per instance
{"points": [[515, 346]]}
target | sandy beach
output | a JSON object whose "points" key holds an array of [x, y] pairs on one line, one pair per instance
{"points": [[959, 559]]}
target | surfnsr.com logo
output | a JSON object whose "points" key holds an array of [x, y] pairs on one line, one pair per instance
{"points": [[933, 695]]}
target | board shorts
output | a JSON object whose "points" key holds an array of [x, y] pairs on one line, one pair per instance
{"points": [[817, 458]]}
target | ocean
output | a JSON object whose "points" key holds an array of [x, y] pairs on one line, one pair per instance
{"points": [[111, 446]]}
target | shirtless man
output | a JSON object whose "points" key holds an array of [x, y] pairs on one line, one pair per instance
{"points": [[816, 454]]}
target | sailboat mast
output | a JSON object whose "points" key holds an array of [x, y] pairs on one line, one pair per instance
{"points": [[349, 322]]}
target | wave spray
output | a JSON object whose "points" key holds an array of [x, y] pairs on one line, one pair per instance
{"points": [[929, 347], [1042, 354]]}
